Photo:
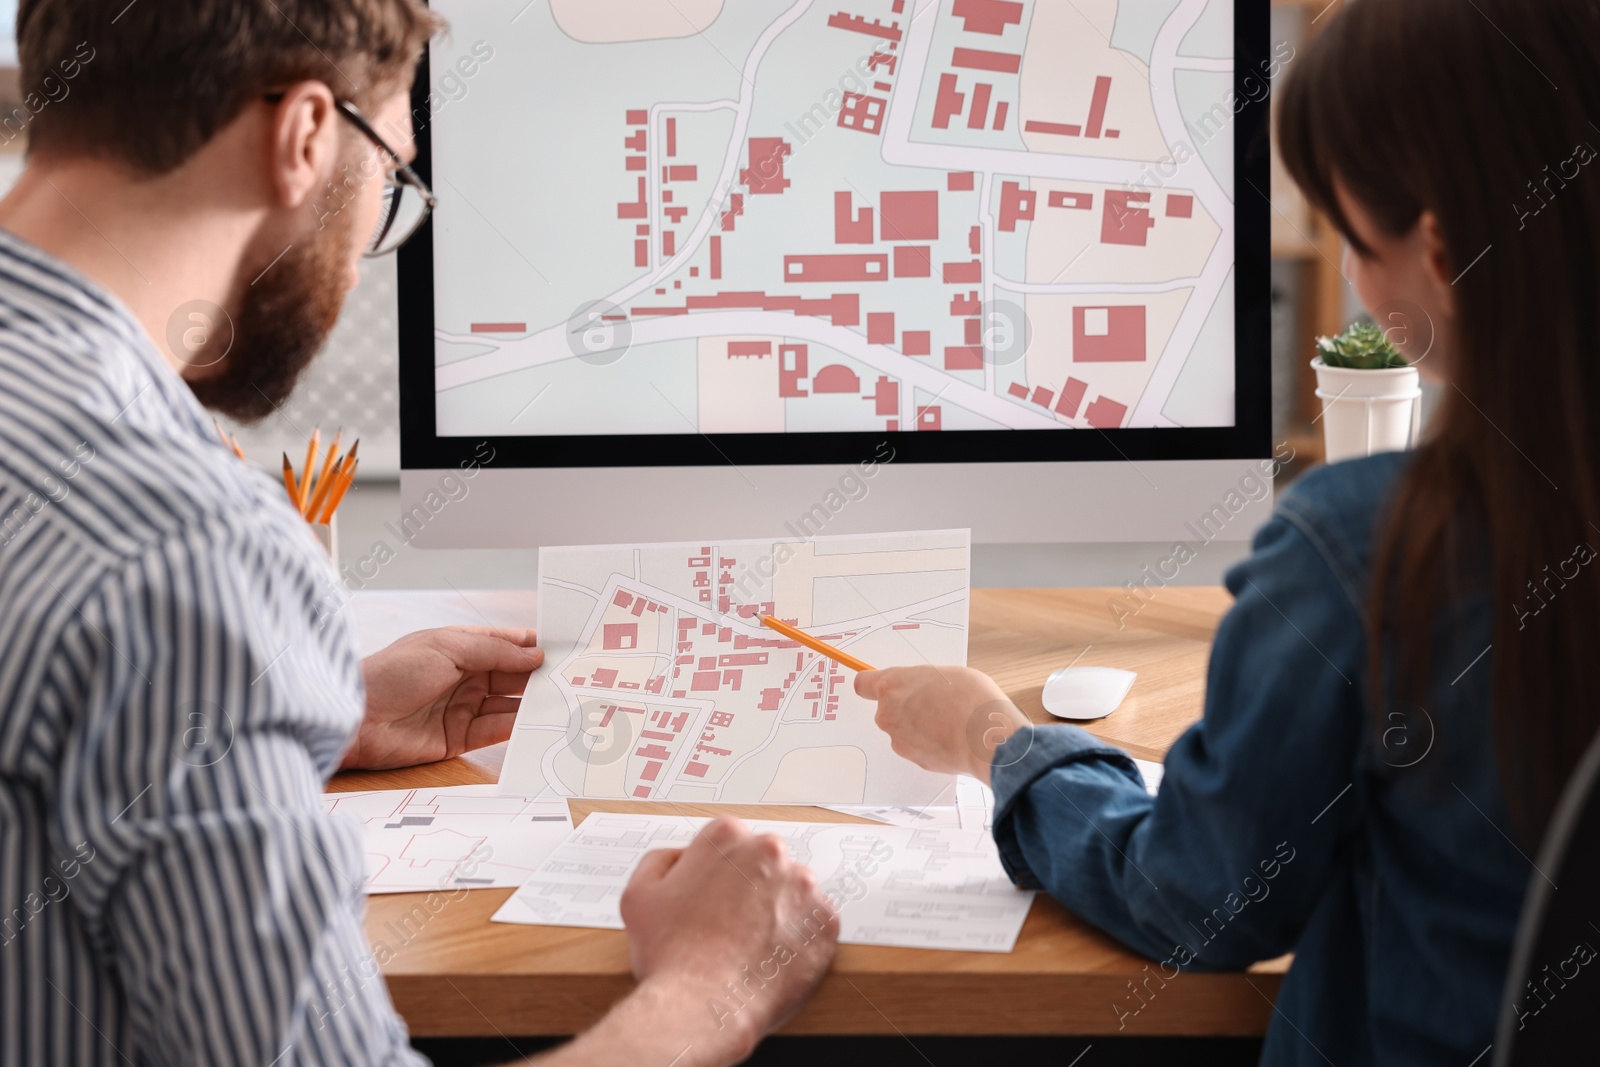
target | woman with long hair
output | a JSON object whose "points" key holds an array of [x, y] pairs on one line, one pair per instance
{"points": [[1408, 675]]}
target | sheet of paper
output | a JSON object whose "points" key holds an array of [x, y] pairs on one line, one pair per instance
{"points": [[1151, 773], [894, 885], [661, 683], [383, 616], [974, 803], [455, 837], [932, 816]]}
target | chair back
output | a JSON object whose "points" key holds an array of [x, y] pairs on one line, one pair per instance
{"points": [[1553, 987]]}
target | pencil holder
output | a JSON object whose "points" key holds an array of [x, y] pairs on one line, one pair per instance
{"points": [[328, 536]]}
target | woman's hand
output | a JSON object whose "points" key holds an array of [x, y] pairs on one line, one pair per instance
{"points": [[944, 719]]}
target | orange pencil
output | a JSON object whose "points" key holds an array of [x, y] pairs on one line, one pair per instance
{"points": [[341, 485], [288, 479], [844, 659], [330, 464], [343, 475], [233, 443], [318, 497], [311, 457]]}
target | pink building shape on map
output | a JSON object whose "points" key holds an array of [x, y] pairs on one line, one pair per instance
{"points": [[963, 357], [949, 102], [978, 117], [765, 174], [792, 369], [1105, 414], [1075, 201], [988, 16], [836, 378], [886, 398], [1097, 108], [619, 636], [1108, 334], [913, 261], [968, 273], [964, 304], [859, 24], [862, 113], [1126, 219], [1016, 205], [982, 59], [851, 227], [880, 328], [1071, 396], [638, 208], [909, 216], [836, 268]]}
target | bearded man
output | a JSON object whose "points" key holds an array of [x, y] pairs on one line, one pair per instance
{"points": [[200, 189]]}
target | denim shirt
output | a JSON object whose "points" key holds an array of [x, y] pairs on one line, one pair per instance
{"points": [[1288, 820]]}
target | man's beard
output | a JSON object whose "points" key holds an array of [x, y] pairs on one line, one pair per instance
{"points": [[283, 321]]}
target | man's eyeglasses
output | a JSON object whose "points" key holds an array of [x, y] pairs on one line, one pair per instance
{"points": [[407, 200]]}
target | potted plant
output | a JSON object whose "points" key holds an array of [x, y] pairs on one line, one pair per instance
{"points": [[1371, 397]]}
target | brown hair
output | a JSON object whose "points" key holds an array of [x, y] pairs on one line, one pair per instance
{"points": [[1480, 113], [150, 83]]}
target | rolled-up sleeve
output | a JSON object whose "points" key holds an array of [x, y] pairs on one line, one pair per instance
{"points": [[228, 905], [1224, 866]]}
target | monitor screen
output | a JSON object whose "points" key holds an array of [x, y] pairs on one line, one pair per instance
{"points": [[695, 231]]}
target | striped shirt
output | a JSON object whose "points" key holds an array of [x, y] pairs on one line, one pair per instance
{"points": [[176, 685]]}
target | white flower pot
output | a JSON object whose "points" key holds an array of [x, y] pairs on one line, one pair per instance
{"points": [[1368, 411]]}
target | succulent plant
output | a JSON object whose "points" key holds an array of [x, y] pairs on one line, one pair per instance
{"points": [[1362, 347]]}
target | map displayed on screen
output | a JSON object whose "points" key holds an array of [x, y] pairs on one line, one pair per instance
{"points": [[800, 216]]}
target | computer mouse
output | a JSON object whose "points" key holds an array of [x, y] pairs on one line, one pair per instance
{"points": [[1086, 692]]}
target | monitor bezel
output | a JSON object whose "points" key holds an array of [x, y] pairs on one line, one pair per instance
{"points": [[422, 448]]}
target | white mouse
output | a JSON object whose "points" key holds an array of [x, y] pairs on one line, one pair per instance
{"points": [[1086, 692]]}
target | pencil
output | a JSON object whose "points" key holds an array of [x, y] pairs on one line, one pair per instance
{"points": [[318, 498], [288, 479], [844, 659], [329, 465], [342, 480], [341, 486], [311, 457], [233, 443]]}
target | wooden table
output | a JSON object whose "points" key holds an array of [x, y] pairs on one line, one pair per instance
{"points": [[453, 973]]}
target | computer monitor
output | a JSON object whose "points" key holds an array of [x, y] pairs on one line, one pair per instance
{"points": [[703, 268]]}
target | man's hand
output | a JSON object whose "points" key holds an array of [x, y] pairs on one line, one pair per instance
{"points": [[436, 694], [732, 929], [944, 719]]}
